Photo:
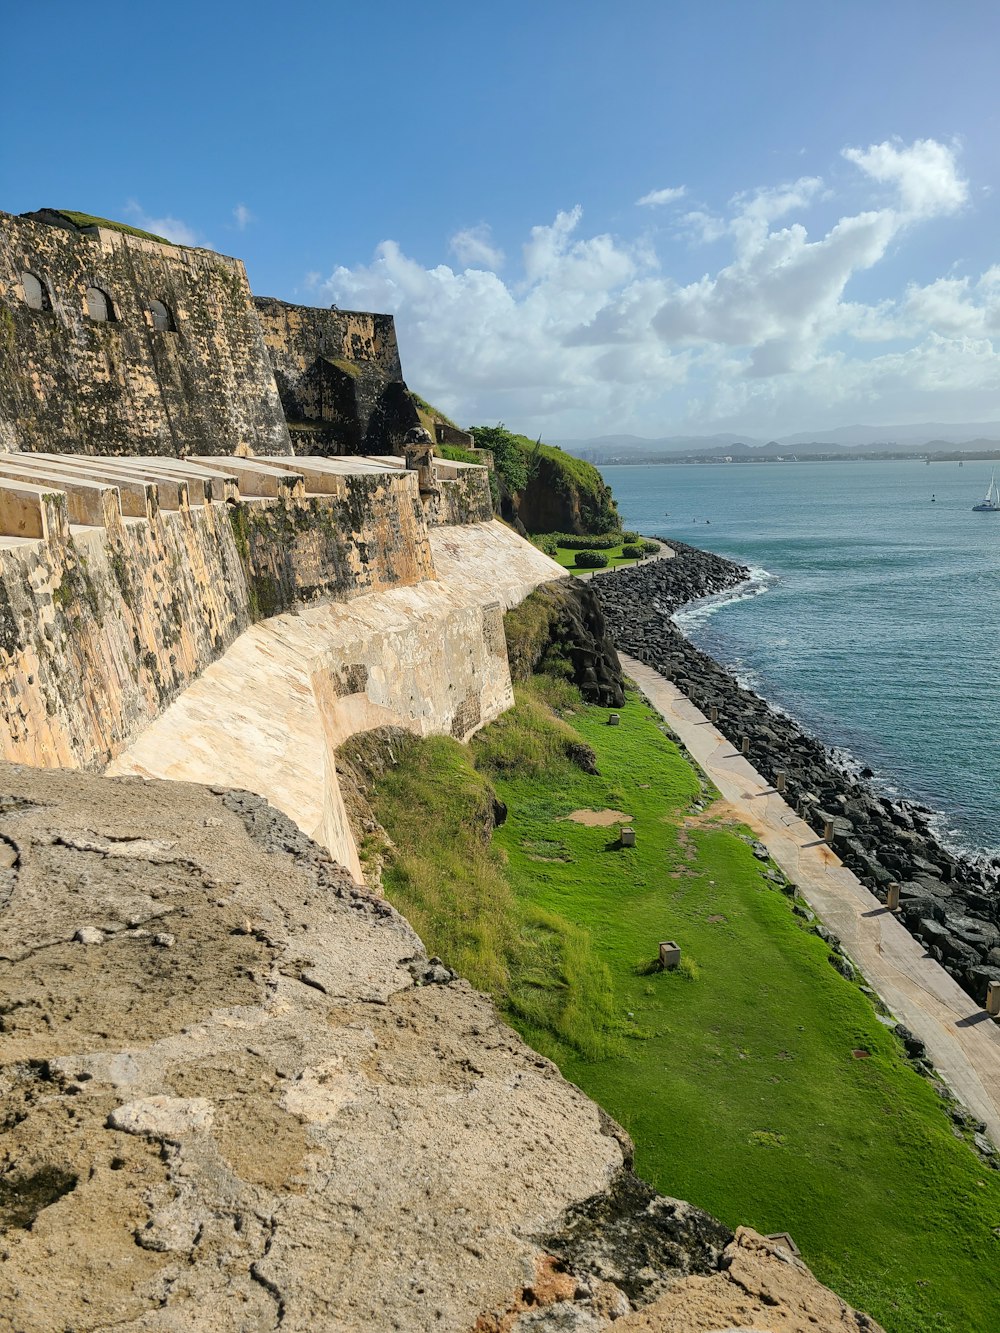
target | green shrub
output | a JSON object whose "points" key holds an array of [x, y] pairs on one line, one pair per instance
{"points": [[519, 460], [569, 541], [591, 559], [633, 537], [632, 552], [650, 548], [546, 542], [510, 457]]}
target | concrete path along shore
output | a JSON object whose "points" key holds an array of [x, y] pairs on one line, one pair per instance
{"points": [[962, 1042]]}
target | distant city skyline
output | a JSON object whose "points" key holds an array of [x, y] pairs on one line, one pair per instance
{"points": [[653, 219]]}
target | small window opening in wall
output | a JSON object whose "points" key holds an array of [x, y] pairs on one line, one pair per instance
{"points": [[99, 306], [163, 320], [36, 294]]}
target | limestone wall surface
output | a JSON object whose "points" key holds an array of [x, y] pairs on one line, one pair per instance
{"points": [[339, 377], [461, 491], [71, 383], [269, 715], [105, 617]]}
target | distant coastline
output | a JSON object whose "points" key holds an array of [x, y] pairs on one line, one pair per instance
{"points": [[737, 460]]}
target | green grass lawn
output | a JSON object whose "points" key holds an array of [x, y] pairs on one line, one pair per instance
{"points": [[567, 559], [736, 1076]]}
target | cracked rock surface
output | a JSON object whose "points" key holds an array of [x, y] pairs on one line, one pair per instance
{"points": [[236, 1095]]}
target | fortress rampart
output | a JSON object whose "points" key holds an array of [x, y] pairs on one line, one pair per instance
{"points": [[180, 595], [104, 624], [88, 365], [339, 378]]}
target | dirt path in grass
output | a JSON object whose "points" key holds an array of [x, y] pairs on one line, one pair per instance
{"points": [[962, 1041]]}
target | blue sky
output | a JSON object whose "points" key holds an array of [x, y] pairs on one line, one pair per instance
{"points": [[819, 246]]}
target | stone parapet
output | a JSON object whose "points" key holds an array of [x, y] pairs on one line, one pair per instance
{"points": [[121, 580]]}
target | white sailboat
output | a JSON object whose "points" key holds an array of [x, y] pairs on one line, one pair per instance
{"points": [[991, 505]]}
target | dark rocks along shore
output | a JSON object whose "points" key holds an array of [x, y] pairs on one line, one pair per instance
{"points": [[951, 904]]}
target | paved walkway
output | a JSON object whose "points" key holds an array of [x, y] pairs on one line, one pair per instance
{"points": [[962, 1041]]}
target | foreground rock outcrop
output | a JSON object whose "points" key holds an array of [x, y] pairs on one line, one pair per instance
{"points": [[236, 1095]]}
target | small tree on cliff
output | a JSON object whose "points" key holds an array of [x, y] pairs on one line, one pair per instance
{"points": [[508, 456]]}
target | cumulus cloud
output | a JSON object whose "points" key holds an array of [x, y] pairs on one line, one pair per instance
{"points": [[594, 334], [656, 198], [925, 174], [474, 247], [242, 217], [171, 228]]}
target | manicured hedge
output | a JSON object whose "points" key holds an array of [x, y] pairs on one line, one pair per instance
{"points": [[569, 541], [591, 559]]}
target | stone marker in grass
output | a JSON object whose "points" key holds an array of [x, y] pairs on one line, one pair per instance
{"points": [[670, 955]]}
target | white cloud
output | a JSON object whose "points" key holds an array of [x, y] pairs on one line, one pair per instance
{"points": [[704, 227], [656, 198], [474, 246], [593, 334], [171, 228], [925, 173], [242, 217]]}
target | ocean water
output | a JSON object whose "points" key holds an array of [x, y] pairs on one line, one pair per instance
{"points": [[873, 616]]}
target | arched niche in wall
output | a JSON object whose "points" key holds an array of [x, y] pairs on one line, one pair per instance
{"points": [[99, 307], [163, 320], [36, 293]]}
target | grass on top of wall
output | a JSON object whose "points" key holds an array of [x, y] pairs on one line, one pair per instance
{"points": [[89, 220], [737, 1076]]}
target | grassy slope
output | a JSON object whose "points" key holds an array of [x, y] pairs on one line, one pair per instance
{"points": [[738, 1083]]}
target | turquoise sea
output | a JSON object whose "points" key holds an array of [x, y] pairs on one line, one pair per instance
{"points": [[873, 616]]}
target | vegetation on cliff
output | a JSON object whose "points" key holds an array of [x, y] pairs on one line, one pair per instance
{"points": [[550, 491], [757, 1081]]}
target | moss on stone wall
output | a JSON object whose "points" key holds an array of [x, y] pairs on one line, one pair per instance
{"points": [[82, 220], [74, 384]]}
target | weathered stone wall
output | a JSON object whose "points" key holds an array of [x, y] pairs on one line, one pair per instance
{"points": [[445, 433], [463, 494], [101, 627], [271, 713], [339, 377], [70, 383]]}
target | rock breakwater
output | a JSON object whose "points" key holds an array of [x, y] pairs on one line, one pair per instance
{"points": [[950, 903]]}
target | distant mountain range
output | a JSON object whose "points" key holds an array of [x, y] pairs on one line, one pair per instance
{"points": [[857, 441]]}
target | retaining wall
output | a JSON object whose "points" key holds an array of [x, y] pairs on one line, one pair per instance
{"points": [[270, 714]]}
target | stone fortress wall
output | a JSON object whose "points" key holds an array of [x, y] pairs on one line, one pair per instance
{"points": [[181, 595], [339, 377], [87, 367]]}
